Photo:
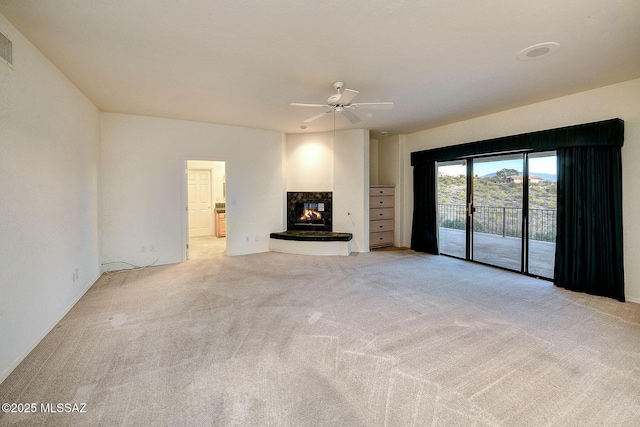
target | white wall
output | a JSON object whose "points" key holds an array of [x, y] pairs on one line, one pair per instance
{"points": [[143, 163], [49, 184], [314, 162], [351, 186], [309, 164], [616, 101], [373, 161], [389, 167], [390, 172]]}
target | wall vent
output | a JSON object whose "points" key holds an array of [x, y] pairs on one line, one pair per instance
{"points": [[6, 49]]}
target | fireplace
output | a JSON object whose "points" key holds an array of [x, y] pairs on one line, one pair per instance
{"points": [[309, 229], [309, 211]]}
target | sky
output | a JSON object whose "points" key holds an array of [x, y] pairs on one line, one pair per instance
{"points": [[480, 168]]}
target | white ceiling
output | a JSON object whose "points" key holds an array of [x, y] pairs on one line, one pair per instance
{"points": [[241, 62]]}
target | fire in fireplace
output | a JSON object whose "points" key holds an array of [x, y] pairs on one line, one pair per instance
{"points": [[310, 214]]}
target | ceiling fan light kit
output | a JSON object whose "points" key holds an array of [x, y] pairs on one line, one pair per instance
{"points": [[341, 102]]}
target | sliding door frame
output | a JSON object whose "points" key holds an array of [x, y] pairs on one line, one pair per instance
{"points": [[470, 210]]}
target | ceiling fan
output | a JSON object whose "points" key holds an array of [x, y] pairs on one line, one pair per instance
{"points": [[341, 102]]}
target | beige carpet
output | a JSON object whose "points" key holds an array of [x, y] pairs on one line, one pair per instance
{"points": [[206, 247], [388, 338]]}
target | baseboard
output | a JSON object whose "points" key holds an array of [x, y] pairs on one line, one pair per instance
{"points": [[19, 359], [632, 299]]}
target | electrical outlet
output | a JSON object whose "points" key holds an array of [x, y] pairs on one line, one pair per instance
{"points": [[77, 275], [143, 249], [246, 239]]}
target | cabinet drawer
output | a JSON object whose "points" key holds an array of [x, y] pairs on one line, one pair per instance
{"points": [[384, 238], [381, 201], [381, 191], [382, 225], [381, 213]]}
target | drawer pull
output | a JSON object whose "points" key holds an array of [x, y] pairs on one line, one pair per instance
{"points": [[381, 214], [380, 238], [381, 192], [381, 226], [381, 202]]}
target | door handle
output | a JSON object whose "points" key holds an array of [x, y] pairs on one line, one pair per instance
{"points": [[470, 209]]}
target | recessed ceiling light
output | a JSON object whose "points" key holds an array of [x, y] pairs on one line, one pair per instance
{"points": [[303, 127], [538, 51], [383, 133]]}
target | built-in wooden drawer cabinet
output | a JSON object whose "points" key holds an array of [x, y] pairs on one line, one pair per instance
{"points": [[381, 201], [382, 225], [378, 240], [381, 215], [382, 191]]}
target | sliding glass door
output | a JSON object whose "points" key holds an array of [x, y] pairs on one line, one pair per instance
{"points": [[452, 208], [497, 201], [543, 205], [500, 210]]}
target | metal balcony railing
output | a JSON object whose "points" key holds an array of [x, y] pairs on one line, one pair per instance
{"points": [[503, 221]]}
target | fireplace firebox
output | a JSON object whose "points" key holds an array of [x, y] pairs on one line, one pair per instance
{"points": [[310, 214], [309, 211]]}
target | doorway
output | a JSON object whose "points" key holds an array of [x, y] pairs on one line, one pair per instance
{"points": [[500, 210], [206, 209]]}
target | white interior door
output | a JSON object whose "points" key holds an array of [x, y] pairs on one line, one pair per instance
{"points": [[199, 202]]}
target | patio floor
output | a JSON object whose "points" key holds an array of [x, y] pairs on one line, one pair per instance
{"points": [[500, 251]]}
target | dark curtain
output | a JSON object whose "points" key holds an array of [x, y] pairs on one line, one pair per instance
{"points": [[589, 254], [599, 134], [425, 226]]}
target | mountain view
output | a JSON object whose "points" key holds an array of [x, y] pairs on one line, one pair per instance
{"points": [[544, 176], [498, 190], [497, 198]]}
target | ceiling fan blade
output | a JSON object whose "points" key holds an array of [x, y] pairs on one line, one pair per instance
{"points": [[350, 116], [317, 116], [374, 105], [297, 104], [346, 96]]}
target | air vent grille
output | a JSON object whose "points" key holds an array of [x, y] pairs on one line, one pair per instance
{"points": [[6, 49]]}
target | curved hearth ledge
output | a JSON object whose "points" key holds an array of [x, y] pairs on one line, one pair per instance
{"points": [[311, 243]]}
